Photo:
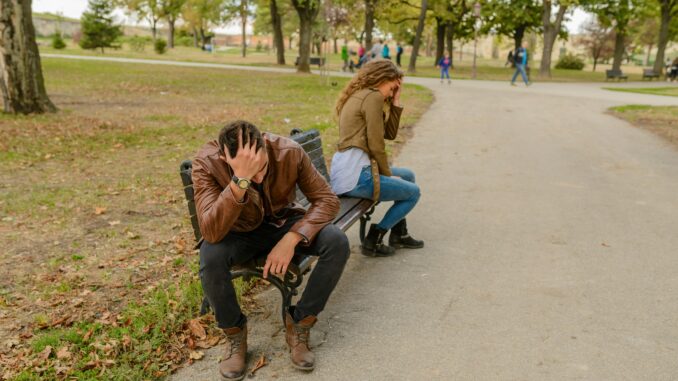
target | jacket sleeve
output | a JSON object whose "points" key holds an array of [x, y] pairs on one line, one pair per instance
{"points": [[216, 208], [372, 109], [324, 203], [393, 123]]}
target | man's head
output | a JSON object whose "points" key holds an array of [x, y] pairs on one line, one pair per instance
{"points": [[524, 45], [242, 135]]}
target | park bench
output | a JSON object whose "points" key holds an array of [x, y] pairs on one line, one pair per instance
{"points": [[650, 73], [352, 210], [615, 74], [319, 61]]}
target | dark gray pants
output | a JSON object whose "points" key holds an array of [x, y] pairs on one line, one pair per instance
{"points": [[330, 245]]}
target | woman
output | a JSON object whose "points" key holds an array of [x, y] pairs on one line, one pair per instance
{"points": [[369, 112]]}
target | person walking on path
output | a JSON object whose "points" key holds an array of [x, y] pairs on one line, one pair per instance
{"points": [[386, 52], [242, 184], [369, 111], [361, 51], [520, 59], [376, 50], [444, 64], [344, 57], [399, 53]]}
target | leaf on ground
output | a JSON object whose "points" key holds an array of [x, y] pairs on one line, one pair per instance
{"points": [[208, 343], [196, 355], [45, 352], [63, 353], [260, 364], [99, 210], [113, 223], [180, 244], [196, 328], [88, 334]]}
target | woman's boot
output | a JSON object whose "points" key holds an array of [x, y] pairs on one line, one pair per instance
{"points": [[373, 244], [400, 238]]}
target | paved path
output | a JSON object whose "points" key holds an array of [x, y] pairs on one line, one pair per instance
{"points": [[551, 251]]}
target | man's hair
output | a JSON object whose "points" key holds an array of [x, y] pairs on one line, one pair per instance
{"points": [[228, 137]]}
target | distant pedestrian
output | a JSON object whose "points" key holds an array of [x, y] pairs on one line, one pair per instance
{"points": [[399, 53], [386, 52], [672, 71], [520, 59], [444, 64], [361, 51], [344, 57], [375, 52]]}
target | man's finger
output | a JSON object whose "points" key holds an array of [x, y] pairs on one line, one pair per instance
{"points": [[266, 267], [284, 270]]}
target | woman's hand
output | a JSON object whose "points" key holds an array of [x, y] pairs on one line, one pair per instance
{"points": [[396, 93]]}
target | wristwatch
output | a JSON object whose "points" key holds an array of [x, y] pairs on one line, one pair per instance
{"points": [[241, 183]]}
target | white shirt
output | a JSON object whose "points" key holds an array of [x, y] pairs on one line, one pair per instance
{"points": [[346, 168]]}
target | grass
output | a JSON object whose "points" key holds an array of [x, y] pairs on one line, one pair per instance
{"points": [[97, 243], [488, 69], [661, 120], [668, 91]]}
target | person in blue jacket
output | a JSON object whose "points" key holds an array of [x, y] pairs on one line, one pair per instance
{"points": [[520, 59], [386, 52], [445, 64]]}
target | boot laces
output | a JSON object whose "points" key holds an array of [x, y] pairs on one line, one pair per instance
{"points": [[302, 335], [234, 344]]}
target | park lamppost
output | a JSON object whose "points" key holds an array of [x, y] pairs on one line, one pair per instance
{"points": [[476, 14]]}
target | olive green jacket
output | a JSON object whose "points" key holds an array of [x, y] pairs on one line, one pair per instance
{"points": [[365, 122]]}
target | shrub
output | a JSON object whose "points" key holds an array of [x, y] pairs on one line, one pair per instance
{"points": [[58, 41], [184, 41], [160, 46], [570, 62], [260, 46], [137, 44]]}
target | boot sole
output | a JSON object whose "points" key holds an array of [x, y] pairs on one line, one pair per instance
{"points": [[224, 378], [307, 369], [401, 246], [372, 254]]}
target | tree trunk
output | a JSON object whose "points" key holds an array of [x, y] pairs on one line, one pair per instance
{"points": [[449, 41], [595, 62], [370, 6], [278, 40], [336, 50], [21, 81], [170, 35], [647, 56], [440, 39], [154, 28], [551, 30], [289, 41], [518, 37], [203, 37], [618, 50], [666, 15], [307, 11], [412, 68], [196, 42], [304, 44], [243, 19], [461, 48]]}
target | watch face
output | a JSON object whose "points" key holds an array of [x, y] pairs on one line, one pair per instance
{"points": [[243, 183]]}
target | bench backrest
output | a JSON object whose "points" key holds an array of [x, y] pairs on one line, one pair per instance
{"points": [[613, 73], [311, 143]]}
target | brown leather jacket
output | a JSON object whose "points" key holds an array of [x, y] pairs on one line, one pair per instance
{"points": [[288, 165], [364, 124]]}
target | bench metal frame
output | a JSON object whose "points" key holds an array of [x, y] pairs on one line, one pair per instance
{"points": [[352, 210]]}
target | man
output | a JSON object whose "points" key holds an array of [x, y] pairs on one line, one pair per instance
{"points": [[376, 50], [244, 191], [399, 53], [520, 59]]}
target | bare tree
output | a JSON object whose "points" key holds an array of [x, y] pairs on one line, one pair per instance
{"points": [[598, 40], [21, 81]]}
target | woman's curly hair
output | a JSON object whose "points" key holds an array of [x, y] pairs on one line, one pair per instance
{"points": [[373, 74]]}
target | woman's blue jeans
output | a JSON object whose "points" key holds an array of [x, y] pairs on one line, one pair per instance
{"points": [[402, 190]]}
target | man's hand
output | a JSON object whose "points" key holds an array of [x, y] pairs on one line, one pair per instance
{"points": [[281, 255], [247, 161]]}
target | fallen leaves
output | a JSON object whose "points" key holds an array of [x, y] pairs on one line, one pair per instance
{"points": [[196, 355], [63, 353], [196, 328], [99, 210], [260, 364]]}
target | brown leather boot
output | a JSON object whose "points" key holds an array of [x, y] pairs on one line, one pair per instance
{"points": [[297, 335], [232, 364]]}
